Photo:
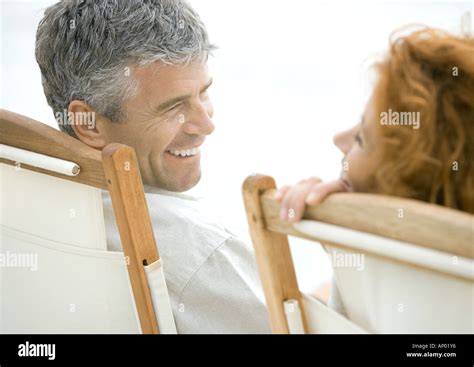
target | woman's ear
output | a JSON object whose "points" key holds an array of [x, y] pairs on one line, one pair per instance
{"points": [[88, 125]]}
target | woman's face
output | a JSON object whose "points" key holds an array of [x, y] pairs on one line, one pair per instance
{"points": [[361, 147]]}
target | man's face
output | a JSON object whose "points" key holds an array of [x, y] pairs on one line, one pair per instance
{"points": [[168, 120]]}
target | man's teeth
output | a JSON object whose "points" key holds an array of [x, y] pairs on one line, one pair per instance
{"points": [[185, 153]]}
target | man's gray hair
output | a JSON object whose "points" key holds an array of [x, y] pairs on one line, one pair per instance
{"points": [[87, 49]]}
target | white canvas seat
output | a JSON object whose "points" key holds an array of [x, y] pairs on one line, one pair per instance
{"points": [[417, 274], [56, 275]]}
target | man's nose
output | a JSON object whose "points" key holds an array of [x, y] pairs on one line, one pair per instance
{"points": [[199, 122]]}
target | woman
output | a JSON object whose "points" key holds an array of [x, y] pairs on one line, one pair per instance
{"points": [[428, 74], [416, 137]]}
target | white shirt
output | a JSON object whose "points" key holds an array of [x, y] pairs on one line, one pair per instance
{"points": [[211, 275]]}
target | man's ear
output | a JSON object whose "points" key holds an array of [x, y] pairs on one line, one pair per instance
{"points": [[88, 125]]}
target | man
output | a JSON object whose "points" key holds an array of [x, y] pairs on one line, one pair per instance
{"points": [[139, 67]]}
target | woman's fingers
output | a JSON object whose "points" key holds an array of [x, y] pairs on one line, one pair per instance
{"points": [[312, 191], [293, 199], [321, 190], [281, 192]]}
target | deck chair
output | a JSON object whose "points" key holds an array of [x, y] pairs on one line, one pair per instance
{"points": [[418, 263], [56, 275]]}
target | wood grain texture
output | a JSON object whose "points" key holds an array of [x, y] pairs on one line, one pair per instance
{"points": [[273, 256], [22, 132], [421, 223], [135, 228]]}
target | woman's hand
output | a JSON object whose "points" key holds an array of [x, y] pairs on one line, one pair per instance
{"points": [[311, 191]]}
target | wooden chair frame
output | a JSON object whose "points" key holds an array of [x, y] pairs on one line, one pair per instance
{"points": [[374, 214], [114, 169]]}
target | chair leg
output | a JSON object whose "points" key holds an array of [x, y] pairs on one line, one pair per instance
{"points": [[273, 256]]}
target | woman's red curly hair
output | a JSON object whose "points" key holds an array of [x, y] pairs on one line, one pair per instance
{"points": [[430, 72]]}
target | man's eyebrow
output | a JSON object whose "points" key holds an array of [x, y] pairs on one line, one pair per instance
{"points": [[175, 100], [209, 83]]}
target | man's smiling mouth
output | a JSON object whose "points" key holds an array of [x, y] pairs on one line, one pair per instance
{"points": [[184, 152]]}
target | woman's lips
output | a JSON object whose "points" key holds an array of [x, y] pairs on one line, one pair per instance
{"points": [[347, 185]]}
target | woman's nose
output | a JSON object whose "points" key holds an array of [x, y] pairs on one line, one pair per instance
{"points": [[343, 141]]}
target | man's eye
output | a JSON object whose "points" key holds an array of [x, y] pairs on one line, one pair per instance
{"points": [[173, 107]]}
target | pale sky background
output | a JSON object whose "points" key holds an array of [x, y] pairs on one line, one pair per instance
{"points": [[287, 76]]}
